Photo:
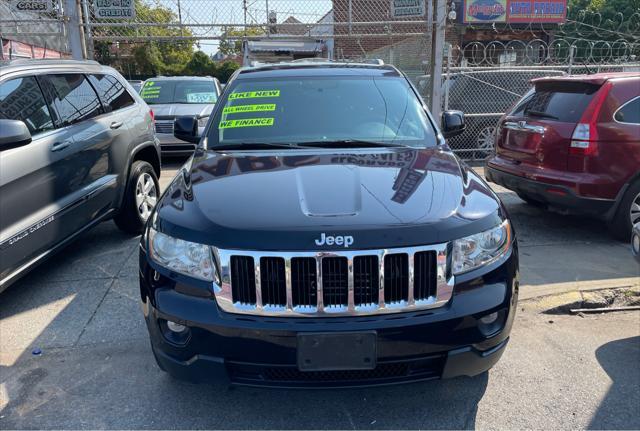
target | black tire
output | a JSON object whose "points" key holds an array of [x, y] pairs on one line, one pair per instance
{"points": [[130, 218], [531, 201], [620, 226]]}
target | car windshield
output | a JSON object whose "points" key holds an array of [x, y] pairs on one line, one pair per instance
{"points": [[315, 110], [155, 92]]}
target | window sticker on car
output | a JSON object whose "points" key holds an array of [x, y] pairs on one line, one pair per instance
{"points": [[201, 98], [149, 91], [254, 94], [249, 108], [247, 122]]}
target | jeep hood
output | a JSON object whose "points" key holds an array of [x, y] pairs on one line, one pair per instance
{"points": [[285, 200]]}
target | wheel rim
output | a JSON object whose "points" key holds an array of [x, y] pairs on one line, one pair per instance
{"points": [[634, 213], [486, 138], [146, 196]]}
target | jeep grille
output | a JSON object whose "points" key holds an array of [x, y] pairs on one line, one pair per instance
{"points": [[333, 283]]}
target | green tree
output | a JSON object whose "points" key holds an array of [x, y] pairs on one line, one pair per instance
{"points": [[224, 70], [607, 19], [199, 65], [231, 39], [162, 54]]}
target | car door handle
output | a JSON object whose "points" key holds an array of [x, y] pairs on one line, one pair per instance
{"points": [[116, 124], [59, 146]]}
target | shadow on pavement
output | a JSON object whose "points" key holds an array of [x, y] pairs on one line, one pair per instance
{"points": [[613, 412]]}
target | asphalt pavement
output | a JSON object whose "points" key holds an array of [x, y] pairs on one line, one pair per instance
{"points": [[80, 311]]}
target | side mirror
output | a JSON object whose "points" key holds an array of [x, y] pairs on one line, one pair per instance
{"points": [[186, 129], [452, 123], [13, 133]]}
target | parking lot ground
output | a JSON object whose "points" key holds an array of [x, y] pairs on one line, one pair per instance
{"points": [[96, 369]]}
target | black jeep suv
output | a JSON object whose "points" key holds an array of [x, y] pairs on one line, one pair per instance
{"points": [[323, 234]]}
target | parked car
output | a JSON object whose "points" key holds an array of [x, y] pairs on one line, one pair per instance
{"points": [[76, 147], [484, 96], [574, 143], [172, 97], [323, 234], [136, 84]]}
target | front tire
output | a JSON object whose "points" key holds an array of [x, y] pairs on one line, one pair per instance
{"points": [[628, 213], [141, 195]]}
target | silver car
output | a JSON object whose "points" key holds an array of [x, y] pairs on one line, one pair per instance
{"points": [[77, 147], [171, 97]]}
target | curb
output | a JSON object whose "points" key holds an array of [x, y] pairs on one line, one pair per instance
{"points": [[529, 292]]}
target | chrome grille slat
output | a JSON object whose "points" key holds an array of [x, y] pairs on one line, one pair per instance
{"points": [[164, 127], [349, 291]]}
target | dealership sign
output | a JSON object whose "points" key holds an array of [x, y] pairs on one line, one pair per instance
{"points": [[514, 11], [114, 9], [407, 8], [525, 11], [32, 5]]}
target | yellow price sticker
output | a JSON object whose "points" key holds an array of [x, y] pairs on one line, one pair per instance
{"points": [[249, 108], [254, 94], [247, 122]]}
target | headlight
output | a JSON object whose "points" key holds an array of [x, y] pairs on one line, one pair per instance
{"points": [[481, 249], [184, 257], [202, 122]]}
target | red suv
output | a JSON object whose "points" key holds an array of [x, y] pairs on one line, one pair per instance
{"points": [[573, 142]]}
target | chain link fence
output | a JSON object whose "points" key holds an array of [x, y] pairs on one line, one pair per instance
{"points": [[29, 34]]}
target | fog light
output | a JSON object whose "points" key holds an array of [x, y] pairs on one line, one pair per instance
{"points": [[176, 327], [489, 318]]}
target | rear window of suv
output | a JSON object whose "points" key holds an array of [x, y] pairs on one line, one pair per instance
{"points": [[561, 101]]}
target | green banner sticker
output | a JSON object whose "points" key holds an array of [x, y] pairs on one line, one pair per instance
{"points": [[249, 108], [254, 94], [149, 84], [247, 122]]}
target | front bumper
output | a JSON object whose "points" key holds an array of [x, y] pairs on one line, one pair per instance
{"points": [[260, 351], [172, 146]]}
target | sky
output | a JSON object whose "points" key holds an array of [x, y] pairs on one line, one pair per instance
{"points": [[232, 12]]}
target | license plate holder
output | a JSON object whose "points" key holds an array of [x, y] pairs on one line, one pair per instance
{"points": [[337, 351]]}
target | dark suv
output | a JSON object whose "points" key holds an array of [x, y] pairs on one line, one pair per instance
{"points": [[574, 143], [323, 234], [77, 146]]}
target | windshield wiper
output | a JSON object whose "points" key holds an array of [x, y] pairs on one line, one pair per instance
{"points": [[540, 114], [346, 143], [251, 146]]}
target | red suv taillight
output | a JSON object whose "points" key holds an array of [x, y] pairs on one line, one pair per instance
{"points": [[153, 116], [584, 141]]}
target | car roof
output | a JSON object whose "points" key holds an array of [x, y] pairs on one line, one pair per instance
{"points": [[596, 78], [317, 68], [181, 78], [9, 66]]}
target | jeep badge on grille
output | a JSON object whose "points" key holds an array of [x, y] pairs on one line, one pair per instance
{"points": [[325, 239]]}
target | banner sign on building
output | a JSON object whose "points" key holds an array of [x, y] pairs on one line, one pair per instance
{"points": [[484, 11], [114, 9], [407, 8], [540, 11], [32, 5], [514, 11]]}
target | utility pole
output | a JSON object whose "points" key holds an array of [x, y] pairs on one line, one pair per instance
{"points": [[72, 18], [437, 47], [244, 8], [180, 19]]}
